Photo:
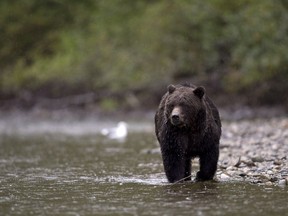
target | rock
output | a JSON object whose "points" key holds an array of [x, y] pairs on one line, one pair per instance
{"points": [[230, 168], [242, 174], [277, 162], [246, 170], [224, 177], [274, 179], [282, 182], [231, 172], [258, 159], [237, 164], [270, 172], [264, 177], [248, 162], [224, 164], [275, 147]]}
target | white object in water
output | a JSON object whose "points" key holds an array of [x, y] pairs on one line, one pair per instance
{"points": [[120, 132]]}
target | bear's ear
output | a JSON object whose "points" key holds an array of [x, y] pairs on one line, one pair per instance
{"points": [[199, 92], [171, 89]]}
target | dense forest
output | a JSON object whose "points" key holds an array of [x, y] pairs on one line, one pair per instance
{"points": [[122, 53]]}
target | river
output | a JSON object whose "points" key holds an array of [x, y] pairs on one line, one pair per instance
{"points": [[51, 167]]}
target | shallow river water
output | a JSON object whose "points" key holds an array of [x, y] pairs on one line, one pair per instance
{"points": [[54, 173]]}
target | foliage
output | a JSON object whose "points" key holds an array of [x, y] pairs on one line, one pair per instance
{"points": [[259, 37], [59, 47]]}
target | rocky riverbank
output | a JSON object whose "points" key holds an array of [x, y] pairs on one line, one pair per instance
{"points": [[254, 151]]}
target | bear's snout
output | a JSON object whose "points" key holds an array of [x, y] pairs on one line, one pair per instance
{"points": [[175, 119], [175, 116]]}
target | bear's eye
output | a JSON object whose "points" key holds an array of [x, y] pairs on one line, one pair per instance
{"points": [[170, 106], [182, 104]]}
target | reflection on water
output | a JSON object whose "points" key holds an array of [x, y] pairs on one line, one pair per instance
{"points": [[50, 174]]}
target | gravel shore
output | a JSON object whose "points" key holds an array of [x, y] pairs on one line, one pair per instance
{"points": [[254, 151]]}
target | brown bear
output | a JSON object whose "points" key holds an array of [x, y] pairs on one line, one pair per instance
{"points": [[187, 125]]}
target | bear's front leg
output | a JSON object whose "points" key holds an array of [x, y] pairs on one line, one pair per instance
{"points": [[175, 166], [208, 165], [188, 169]]}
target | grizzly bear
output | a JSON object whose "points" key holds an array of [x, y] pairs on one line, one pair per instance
{"points": [[187, 125]]}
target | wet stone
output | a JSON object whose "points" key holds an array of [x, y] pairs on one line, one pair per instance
{"points": [[257, 159], [277, 162], [268, 183], [255, 151], [282, 182], [224, 177], [270, 172], [274, 179]]}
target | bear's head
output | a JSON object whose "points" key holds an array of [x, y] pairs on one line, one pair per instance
{"points": [[185, 107]]}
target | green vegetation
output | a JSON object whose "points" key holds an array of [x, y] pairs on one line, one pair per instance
{"points": [[130, 49]]}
